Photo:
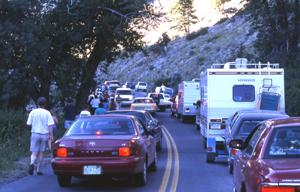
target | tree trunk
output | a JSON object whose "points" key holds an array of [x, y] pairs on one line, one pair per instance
{"points": [[87, 80]]}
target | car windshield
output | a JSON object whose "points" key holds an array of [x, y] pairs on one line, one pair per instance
{"points": [[143, 101], [246, 127], [123, 92], [143, 84], [101, 126], [113, 88], [284, 143]]}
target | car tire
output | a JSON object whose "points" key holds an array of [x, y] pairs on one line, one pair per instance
{"points": [[210, 158], [64, 181], [141, 178], [182, 118], [197, 127], [153, 166], [204, 143], [158, 146], [230, 168]]}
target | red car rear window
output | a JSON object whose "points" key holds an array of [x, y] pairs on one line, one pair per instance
{"points": [[101, 126], [284, 143]]}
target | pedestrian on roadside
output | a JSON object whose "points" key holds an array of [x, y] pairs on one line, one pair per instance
{"points": [[85, 111], [112, 105], [70, 113], [41, 122], [55, 120], [100, 110], [94, 104]]}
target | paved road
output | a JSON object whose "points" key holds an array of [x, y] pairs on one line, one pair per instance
{"points": [[181, 167]]}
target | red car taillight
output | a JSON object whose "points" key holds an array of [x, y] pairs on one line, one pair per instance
{"points": [[62, 152], [277, 189], [124, 152]]}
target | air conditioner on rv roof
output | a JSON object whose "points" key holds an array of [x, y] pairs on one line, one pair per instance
{"points": [[241, 63]]}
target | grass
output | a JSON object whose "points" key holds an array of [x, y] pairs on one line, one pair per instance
{"points": [[15, 138]]}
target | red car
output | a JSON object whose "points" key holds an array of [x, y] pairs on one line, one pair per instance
{"points": [[269, 159], [106, 145]]}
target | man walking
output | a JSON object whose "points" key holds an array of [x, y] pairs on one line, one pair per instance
{"points": [[41, 122]]}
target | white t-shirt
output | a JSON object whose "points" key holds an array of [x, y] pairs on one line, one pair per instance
{"points": [[84, 113], [40, 119], [95, 103]]}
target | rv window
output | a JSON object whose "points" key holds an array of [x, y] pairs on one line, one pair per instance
{"points": [[243, 93]]}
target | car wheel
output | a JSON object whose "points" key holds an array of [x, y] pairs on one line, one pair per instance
{"points": [[158, 146], [141, 178], [182, 118], [163, 109], [64, 181], [230, 168], [197, 127], [153, 165], [204, 143], [210, 158]]}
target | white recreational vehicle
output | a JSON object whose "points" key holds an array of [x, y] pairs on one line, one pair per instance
{"points": [[227, 88], [188, 94]]}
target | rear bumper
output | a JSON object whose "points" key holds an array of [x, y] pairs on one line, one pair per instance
{"points": [[116, 167]]}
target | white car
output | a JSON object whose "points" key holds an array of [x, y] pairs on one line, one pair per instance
{"points": [[141, 85], [124, 95]]}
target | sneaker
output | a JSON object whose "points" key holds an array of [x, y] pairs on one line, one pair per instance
{"points": [[31, 168]]}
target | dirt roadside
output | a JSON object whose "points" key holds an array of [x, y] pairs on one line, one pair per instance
{"points": [[19, 170]]}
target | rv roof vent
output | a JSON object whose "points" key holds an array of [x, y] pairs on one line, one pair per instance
{"points": [[240, 63]]}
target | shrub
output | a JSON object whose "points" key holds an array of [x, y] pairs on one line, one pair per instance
{"points": [[196, 34], [14, 137]]}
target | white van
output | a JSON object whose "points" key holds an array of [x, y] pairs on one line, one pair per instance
{"points": [[188, 94]]}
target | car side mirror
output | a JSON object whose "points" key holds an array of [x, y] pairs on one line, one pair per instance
{"points": [[236, 144]]}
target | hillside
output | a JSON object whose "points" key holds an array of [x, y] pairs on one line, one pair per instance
{"points": [[183, 57]]}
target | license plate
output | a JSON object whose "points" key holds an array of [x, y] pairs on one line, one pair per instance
{"points": [[215, 126], [92, 170]]}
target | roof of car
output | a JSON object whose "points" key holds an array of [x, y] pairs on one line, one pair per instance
{"points": [[142, 98], [285, 121], [107, 115], [125, 111]]}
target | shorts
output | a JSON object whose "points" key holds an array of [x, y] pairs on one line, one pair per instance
{"points": [[38, 142], [68, 124]]}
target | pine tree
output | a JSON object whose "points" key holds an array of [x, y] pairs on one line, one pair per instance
{"points": [[184, 15]]}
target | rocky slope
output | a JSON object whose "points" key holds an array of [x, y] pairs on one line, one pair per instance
{"points": [[184, 57]]}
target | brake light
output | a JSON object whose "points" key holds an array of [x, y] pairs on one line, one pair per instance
{"points": [[62, 152], [124, 151], [277, 189], [234, 151]]}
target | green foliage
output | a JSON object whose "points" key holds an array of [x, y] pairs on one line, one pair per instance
{"points": [[277, 24], [194, 35], [184, 15], [61, 43], [14, 137]]}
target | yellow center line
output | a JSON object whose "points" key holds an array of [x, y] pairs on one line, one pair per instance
{"points": [[176, 163], [167, 173]]}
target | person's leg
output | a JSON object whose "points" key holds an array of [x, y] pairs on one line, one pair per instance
{"points": [[39, 162], [34, 142], [42, 149]]}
